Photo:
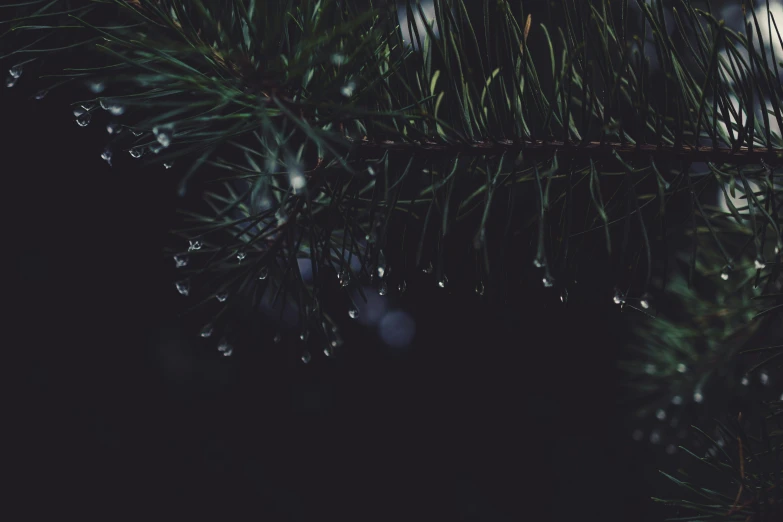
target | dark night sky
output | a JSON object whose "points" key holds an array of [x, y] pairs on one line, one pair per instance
{"points": [[500, 413]]}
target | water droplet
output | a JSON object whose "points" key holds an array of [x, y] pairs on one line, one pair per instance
{"points": [[241, 256], [348, 88], [724, 274], [40, 95], [183, 287], [180, 260], [697, 396], [83, 119], [306, 357], [745, 381], [344, 277], [353, 313], [163, 133], [304, 335], [113, 128], [655, 437], [443, 281], [660, 414], [677, 400], [168, 165], [10, 81], [402, 287], [618, 297], [548, 282], [195, 245], [207, 330], [427, 269], [638, 434], [222, 296], [759, 264], [383, 288], [671, 449], [15, 71], [96, 86], [297, 179], [539, 262], [106, 156], [225, 348], [339, 59], [328, 351], [764, 378], [116, 109], [277, 338], [650, 368], [644, 302], [778, 248], [682, 368], [371, 171], [135, 152], [480, 288], [264, 273], [381, 269]]}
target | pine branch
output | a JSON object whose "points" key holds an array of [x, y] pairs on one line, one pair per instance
{"points": [[351, 140], [597, 151]]}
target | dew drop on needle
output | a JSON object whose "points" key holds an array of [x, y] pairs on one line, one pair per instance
{"points": [[183, 287], [164, 134], [83, 119], [207, 330]]}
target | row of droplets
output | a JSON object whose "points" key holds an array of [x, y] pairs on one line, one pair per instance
{"points": [[661, 414], [383, 271], [162, 133], [334, 340]]}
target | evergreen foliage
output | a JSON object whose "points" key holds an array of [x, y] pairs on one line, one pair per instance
{"points": [[328, 134]]}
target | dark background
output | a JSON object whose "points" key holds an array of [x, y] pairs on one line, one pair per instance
{"points": [[495, 413]]}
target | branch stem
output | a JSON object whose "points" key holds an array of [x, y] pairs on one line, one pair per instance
{"points": [[590, 150]]}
